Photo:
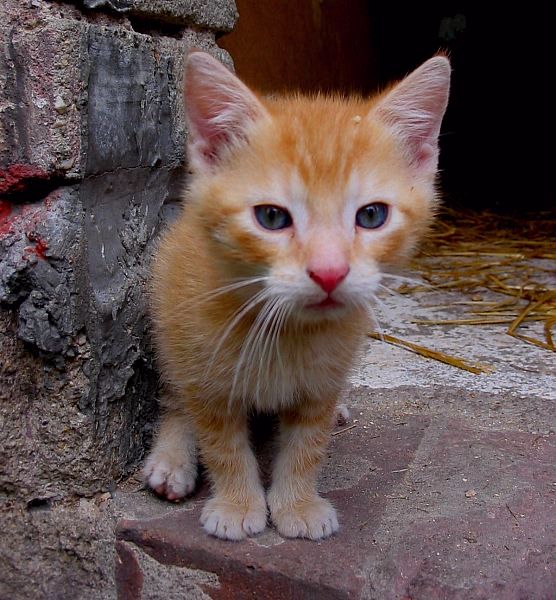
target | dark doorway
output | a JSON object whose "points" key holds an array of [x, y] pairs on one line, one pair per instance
{"points": [[497, 134]]}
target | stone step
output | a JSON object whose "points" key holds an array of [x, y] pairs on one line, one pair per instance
{"points": [[429, 508]]}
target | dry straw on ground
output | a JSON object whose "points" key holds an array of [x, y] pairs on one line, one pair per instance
{"points": [[503, 269]]}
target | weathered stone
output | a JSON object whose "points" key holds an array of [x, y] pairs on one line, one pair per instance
{"points": [[16, 180], [133, 79], [437, 542], [219, 15], [138, 576], [41, 59], [128, 574], [38, 250], [61, 552], [96, 378], [49, 445], [77, 98], [92, 149]]}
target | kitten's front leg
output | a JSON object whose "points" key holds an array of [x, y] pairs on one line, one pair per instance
{"points": [[238, 506], [171, 468], [295, 506]]}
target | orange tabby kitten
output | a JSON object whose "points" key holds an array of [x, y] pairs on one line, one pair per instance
{"points": [[263, 285]]}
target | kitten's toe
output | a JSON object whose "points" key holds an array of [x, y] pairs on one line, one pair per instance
{"points": [[315, 520], [230, 521], [172, 478]]}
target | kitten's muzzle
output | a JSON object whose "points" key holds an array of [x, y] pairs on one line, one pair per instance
{"points": [[327, 303]]}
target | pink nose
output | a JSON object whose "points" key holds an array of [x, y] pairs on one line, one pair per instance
{"points": [[329, 279]]}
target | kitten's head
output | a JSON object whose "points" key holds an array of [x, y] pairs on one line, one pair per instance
{"points": [[317, 195]]}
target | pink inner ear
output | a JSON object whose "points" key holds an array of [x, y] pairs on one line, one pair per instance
{"points": [[415, 107], [220, 109], [209, 137], [425, 155], [208, 140], [210, 151]]}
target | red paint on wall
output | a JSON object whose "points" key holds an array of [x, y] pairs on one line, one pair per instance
{"points": [[24, 220], [5, 213], [16, 178], [40, 247]]}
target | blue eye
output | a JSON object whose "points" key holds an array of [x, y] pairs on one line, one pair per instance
{"points": [[372, 216], [272, 217]]}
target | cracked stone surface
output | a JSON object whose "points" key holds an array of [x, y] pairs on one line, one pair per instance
{"points": [[92, 143]]}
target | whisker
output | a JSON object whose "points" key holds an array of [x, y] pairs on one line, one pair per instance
{"points": [[274, 318], [266, 335], [233, 321], [261, 342], [391, 291], [378, 300], [224, 289], [249, 346], [286, 312], [372, 313]]}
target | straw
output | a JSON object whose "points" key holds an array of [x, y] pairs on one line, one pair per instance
{"points": [[453, 361], [505, 259]]}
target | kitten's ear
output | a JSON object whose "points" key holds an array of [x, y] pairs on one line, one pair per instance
{"points": [[414, 109], [220, 109]]}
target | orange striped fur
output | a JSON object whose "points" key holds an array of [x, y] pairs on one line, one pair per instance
{"points": [[244, 319]]}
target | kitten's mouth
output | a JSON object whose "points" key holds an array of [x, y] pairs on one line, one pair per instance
{"points": [[326, 304]]}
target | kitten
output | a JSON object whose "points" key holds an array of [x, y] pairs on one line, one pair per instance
{"points": [[262, 287]]}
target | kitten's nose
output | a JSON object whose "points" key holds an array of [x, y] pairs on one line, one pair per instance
{"points": [[329, 279]]}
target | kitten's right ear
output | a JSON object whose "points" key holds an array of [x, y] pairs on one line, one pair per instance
{"points": [[414, 108], [220, 109]]}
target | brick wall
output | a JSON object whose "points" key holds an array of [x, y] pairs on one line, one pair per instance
{"points": [[91, 163]]}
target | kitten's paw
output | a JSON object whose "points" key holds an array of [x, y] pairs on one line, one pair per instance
{"points": [[315, 519], [172, 477], [230, 521], [342, 414]]}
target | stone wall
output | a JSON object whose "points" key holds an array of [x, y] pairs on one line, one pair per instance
{"points": [[91, 164]]}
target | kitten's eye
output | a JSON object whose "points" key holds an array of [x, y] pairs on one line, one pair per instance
{"points": [[272, 217], [372, 216]]}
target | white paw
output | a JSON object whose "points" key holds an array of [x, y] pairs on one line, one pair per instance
{"points": [[315, 519], [230, 521], [172, 477], [342, 414]]}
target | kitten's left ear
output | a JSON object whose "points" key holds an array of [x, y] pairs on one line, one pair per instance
{"points": [[414, 109], [220, 109]]}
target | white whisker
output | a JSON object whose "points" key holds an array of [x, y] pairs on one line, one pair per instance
{"points": [[372, 313], [275, 320], [378, 300], [236, 317], [286, 312], [391, 291], [268, 334], [224, 289], [249, 346]]}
